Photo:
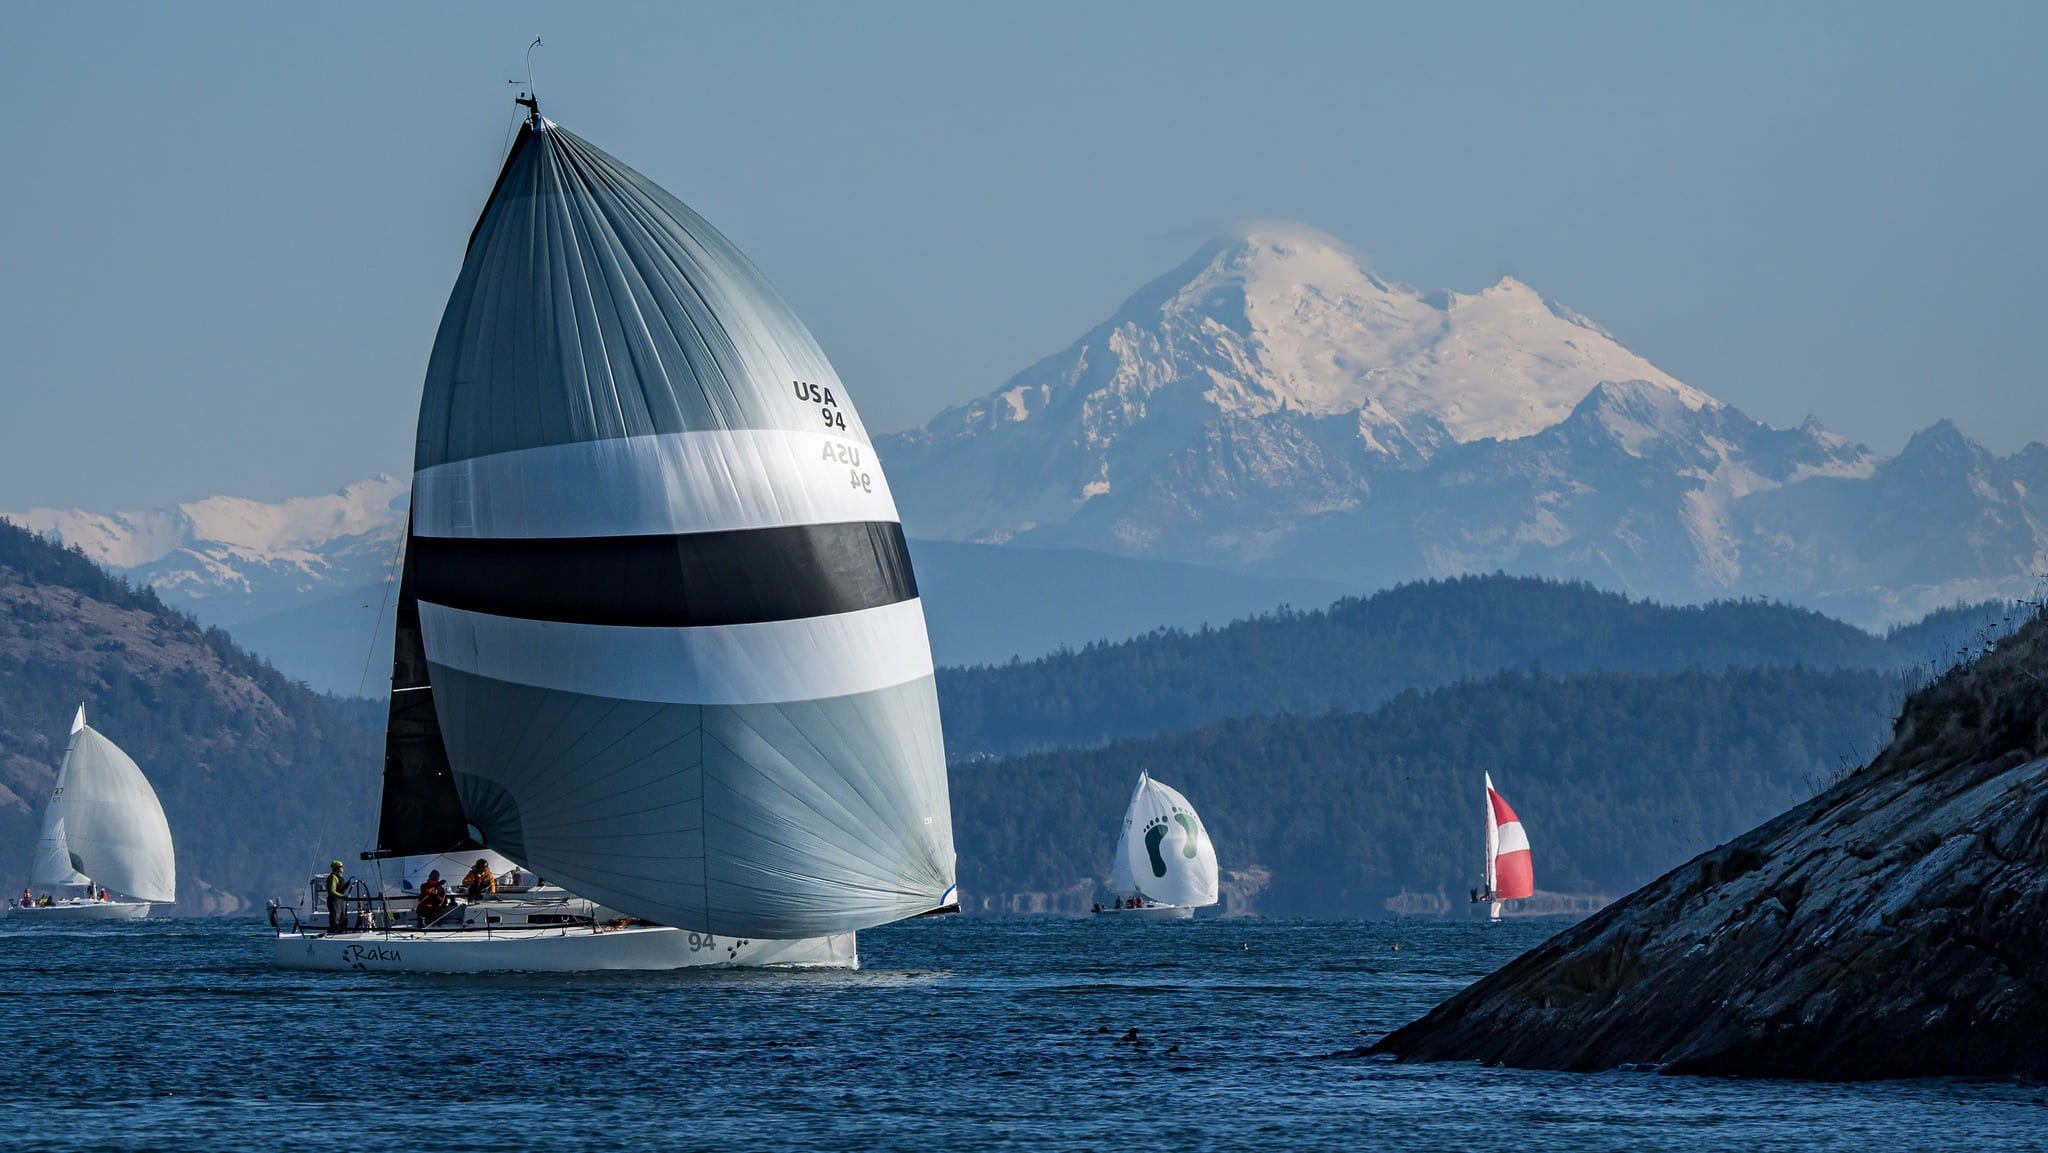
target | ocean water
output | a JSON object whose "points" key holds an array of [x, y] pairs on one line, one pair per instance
{"points": [[957, 1034]]}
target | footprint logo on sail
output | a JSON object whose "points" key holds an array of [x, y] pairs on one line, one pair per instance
{"points": [[1155, 838]]}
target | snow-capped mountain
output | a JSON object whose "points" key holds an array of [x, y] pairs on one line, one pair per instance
{"points": [[1274, 410], [1273, 406], [229, 559]]}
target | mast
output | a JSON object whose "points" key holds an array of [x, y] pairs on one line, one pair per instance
{"points": [[421, 813], [1489, 873]]}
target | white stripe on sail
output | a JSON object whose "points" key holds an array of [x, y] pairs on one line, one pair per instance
{"points": [[682, 482], [763, 662], [1512, 839]]}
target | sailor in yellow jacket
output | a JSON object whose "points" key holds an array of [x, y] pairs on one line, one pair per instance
{"points": [[479, 881], [337, 888]]}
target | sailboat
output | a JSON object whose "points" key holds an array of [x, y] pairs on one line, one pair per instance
{"points": [[1165, 865], [105, 831], [1509, 874], [657, 635]]}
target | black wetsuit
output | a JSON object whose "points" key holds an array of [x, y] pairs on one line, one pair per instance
{"points": [[337, 915]]}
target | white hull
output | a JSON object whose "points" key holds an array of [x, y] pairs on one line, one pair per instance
{"points": [[570, 950], [68, 912], [1151, 912]]}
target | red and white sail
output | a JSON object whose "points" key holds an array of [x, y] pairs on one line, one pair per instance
{"points": [[1509, 874]]}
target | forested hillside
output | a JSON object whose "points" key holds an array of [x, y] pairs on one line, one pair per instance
{"points": [[1616, 777], [1360, 652], [1617, 773], [262, 780]]}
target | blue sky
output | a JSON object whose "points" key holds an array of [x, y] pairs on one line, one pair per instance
{"points": [[226, 233]]}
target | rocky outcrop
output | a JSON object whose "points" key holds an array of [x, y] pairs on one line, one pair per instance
{"points": [[1894, 926]]}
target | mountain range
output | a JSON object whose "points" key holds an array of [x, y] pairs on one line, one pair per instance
{"points": [[1271, 422], [1274, 406]]}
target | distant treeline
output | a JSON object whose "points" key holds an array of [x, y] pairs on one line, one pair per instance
{"points": [[1617, 778], [1359, 653], [1618, 773]]}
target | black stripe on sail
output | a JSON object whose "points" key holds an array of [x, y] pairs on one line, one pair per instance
{"points": [[421, 811], [681, 581]]}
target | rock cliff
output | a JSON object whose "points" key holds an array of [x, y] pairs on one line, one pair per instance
{"points": [[1896, 925]]}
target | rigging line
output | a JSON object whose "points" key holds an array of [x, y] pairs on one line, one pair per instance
{"points": [[376, 624]]}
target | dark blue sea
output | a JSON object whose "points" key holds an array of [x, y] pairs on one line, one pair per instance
{"points": [[957, 1034]]}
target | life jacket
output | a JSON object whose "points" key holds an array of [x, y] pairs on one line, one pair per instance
{"points": [[337, 885]]}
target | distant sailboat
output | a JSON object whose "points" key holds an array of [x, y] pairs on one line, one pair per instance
{"points": [[658, 639], [1509, 874], [1165, 864], [104, 830]]}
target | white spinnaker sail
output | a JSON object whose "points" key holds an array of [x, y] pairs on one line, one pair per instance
{"points": [[677, 655], [104, 824], [1163, 852]]}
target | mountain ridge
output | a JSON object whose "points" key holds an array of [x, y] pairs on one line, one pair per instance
{"points": [[1271, 405]]}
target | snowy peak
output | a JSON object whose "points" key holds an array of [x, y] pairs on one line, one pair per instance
{"points": [[1273, 358], [127, 540], [1294, 320], [1639, 413], [237, 556]]}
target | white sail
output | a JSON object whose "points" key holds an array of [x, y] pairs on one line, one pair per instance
{"points": [[1492, 846], [1121, 880], [104, 824], [52, 864], [1162, 851], [678, 662]]}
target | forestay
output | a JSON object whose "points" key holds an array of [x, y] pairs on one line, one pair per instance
{"points": [[673, 644], [1162, 851], [104, 824]]}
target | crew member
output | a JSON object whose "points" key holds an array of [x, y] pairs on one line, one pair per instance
{"points": [[434, 900], [479, 881], [337, 888]]}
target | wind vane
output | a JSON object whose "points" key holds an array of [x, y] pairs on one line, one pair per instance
{"points": [[530, 99]]}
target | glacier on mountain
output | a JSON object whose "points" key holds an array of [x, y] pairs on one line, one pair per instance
{"points": [[1273, 405]]}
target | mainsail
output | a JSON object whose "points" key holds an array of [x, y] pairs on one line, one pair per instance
{"points": [[674, 656], [1510, 876], [104, 824], [1162, 852]]}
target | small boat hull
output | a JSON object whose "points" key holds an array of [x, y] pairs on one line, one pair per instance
{"points": [[1151, 912], [574, 950], [71, 912]]}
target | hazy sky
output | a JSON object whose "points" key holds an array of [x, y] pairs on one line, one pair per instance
{"points": [[226, 234]]}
